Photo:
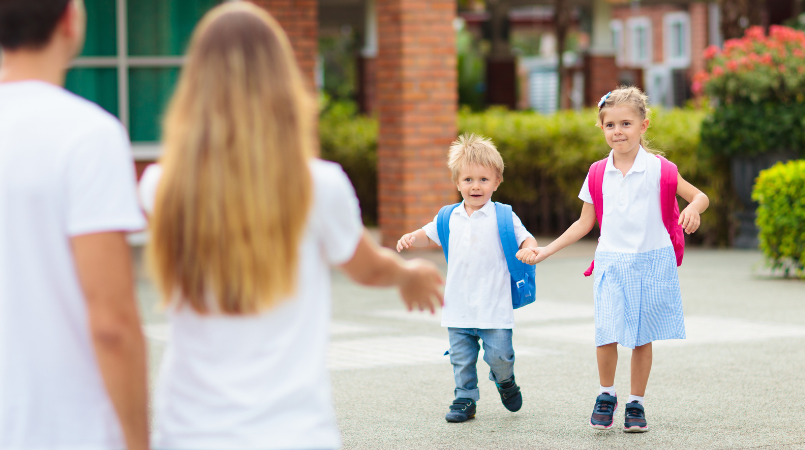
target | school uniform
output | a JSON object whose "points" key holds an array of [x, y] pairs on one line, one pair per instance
{"points": [[636, 286]]}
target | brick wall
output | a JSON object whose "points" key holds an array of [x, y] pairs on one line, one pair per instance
{"points": [[299, 19], [699, 37], [417, 103], [655, 14], [600, 77]]}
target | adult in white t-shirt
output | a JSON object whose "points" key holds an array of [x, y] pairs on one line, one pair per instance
{"points": [[72, 353], [247, 369]]}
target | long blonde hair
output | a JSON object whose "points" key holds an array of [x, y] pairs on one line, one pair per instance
{"points": [[236, 189], [630, 96]]}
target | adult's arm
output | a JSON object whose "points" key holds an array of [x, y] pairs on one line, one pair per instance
{"points": [[104, 269], [419, 281]]}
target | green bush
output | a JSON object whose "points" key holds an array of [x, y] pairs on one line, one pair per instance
{"points": [[750, 129], [351, 140], [780, 192], [547, 158]]}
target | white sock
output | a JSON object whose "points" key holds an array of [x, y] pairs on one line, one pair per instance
{"points": [[635, 397], [609, 390]]}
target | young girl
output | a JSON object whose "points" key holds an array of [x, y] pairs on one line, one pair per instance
{"points": [[636, 288], [244, 229]]}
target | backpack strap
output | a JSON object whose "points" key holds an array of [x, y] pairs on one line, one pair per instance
{"points": [[668, 186], [669, 175], [595, 184], [443, 227], [509, 242]]}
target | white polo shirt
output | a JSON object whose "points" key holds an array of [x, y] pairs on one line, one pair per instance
{"points": [[477, 291], [632, 215]]}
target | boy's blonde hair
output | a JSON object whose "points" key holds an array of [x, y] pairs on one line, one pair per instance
{"points": [[628, 96], [236, 188], [474, 149]]}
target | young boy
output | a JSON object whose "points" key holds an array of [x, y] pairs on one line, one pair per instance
{"points": [[477, 295]]}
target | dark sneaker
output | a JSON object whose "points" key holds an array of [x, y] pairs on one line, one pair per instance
{"points": [[461, 410], [510, 395], [605, 407], [635, 418]]}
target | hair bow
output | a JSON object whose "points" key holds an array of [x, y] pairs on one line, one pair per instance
{"points": [[604, 99]]}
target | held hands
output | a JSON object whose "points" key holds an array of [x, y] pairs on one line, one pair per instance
{"points": [[420, 286], [690, 219], [532, 255], [407, 241]]}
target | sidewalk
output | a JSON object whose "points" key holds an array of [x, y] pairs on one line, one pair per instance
{"points": [[737, 382]]}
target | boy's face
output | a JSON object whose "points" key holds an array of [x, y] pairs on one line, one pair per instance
{"points": [[476, 184], [623, 127]]}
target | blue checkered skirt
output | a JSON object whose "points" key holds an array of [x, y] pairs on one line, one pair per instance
{"points": [[637, 298]]}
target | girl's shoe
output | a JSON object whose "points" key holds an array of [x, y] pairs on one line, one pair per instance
{"points": [[461, 410], [605, 407], [510, 395], [635, 418]]}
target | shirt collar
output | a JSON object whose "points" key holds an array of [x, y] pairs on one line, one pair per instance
{"points": [[639, 164], [487, 209]]}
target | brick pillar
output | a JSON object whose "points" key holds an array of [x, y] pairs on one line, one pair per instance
{"points": [[417, 101], [699, 36], [300, 20], [600, 77], [367, 84]]}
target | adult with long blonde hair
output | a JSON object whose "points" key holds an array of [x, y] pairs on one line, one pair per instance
{"points": [[245, 226]]}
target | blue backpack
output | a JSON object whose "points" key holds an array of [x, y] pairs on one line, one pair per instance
{"points": [[523, 283]]}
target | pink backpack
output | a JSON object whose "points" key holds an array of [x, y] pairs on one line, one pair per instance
{"points": [[668, 203]]}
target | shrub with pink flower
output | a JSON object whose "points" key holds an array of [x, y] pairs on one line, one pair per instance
{"points": [[756, 68]]}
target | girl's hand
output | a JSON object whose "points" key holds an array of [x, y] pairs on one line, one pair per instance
{"points": [[532, 255], [690, 219], [406, 241]]}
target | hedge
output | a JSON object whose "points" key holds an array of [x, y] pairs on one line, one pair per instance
{"points": [[781, 216], [547, 158]]}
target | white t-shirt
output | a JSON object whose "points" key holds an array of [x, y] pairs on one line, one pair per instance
{"points": [[632, 215], [65, 170], [477, 292], [260, 381]]}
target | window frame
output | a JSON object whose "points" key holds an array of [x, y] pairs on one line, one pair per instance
{"points": [[669, 21], [142, 150], [616, 28], [632, 24]]}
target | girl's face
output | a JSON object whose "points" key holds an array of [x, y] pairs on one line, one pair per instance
{"points": [[476, 184], [623, 127]]}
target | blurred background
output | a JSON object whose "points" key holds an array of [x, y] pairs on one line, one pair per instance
{"points": [[398, 80]]}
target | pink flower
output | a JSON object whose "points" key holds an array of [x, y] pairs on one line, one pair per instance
{"points": [[697, 88], [718, 71], [798, 53], [732, 66], [766, 59], [755, 33], [710, 52]]}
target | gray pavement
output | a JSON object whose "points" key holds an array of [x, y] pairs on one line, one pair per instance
{"points": [[737, 382]]}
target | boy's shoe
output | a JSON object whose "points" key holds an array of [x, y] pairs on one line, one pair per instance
{"points": [[635, 418], [510, 395], [461, 410], [605, 407]]}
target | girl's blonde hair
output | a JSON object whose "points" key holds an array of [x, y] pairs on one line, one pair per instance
{"points": [[629, 96], [236, 188], [473, 149]]}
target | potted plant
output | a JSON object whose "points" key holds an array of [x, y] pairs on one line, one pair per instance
{"points": [[757, 84]]}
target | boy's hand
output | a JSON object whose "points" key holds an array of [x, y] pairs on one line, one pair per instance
{"points": [[532, 255], [690, 219], [420, 286], [406, 241]]}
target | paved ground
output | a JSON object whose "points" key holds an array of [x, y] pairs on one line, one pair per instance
{"points": [[737, 382]]}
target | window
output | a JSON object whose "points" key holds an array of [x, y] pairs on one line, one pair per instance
{"points": [[617, 41], [677, 39], [640, 41], [131, 61]]}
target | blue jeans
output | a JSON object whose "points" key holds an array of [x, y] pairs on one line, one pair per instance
{"points": [[498, 353]]}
